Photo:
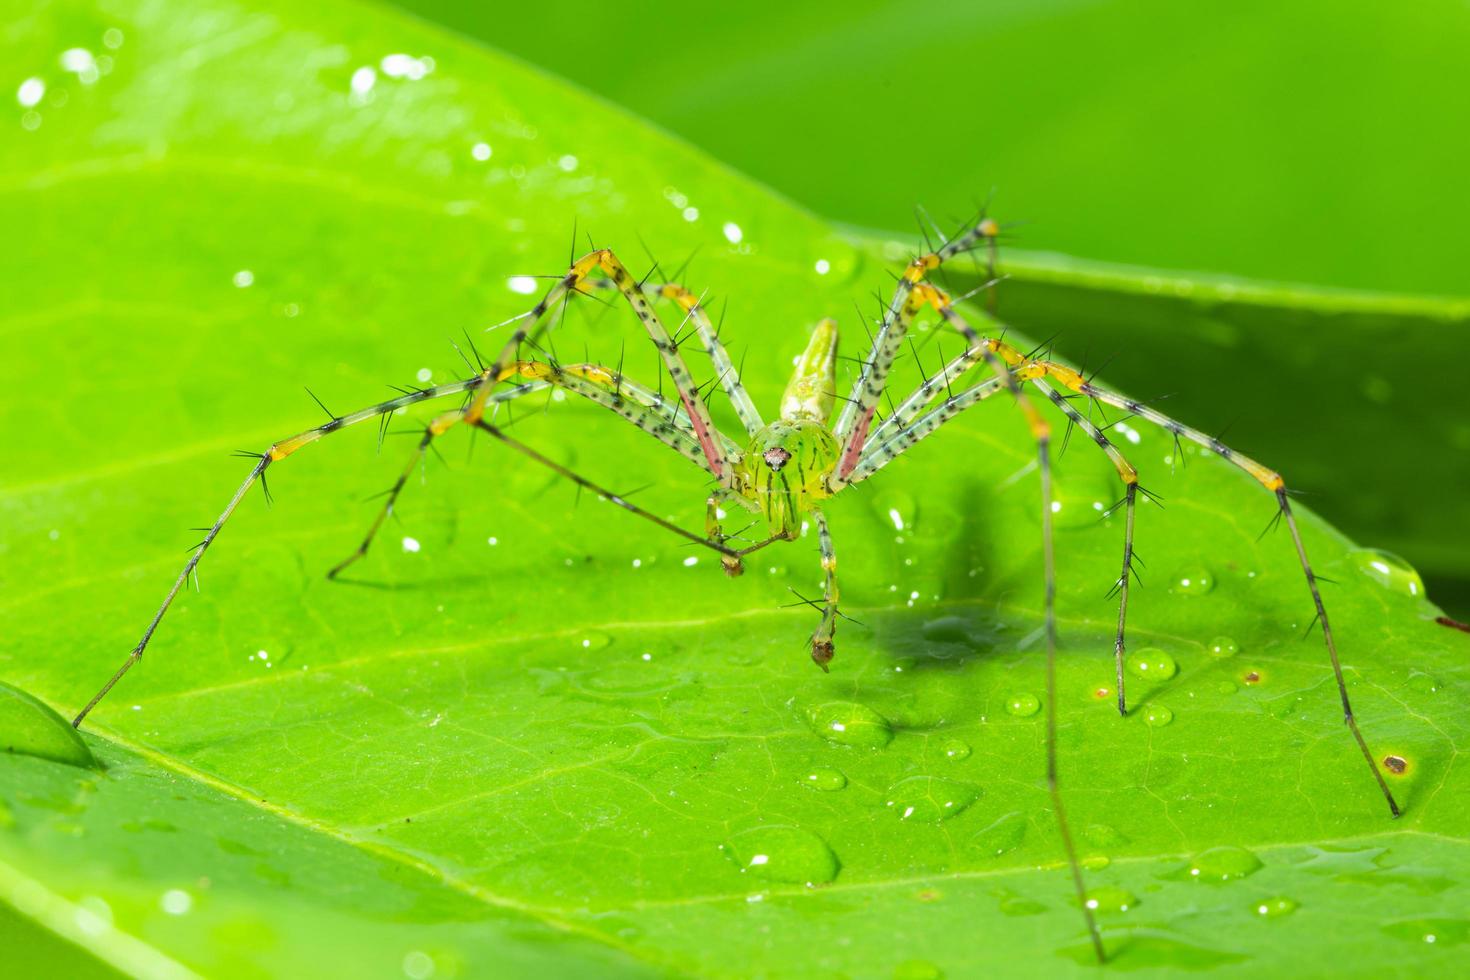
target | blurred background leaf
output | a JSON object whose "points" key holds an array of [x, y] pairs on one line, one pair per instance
{"points": [[1318, 142]]}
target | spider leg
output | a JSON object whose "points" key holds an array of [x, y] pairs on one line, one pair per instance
{"points": [[732, 564], [597, 384], [531, 324], [909, 296], [1129, 475], [1267, 477], [822, 649], [274, 454], [725, 370], [632, 508], [878, 455]]}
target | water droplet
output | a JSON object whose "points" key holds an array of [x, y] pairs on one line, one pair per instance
{"points": [[1080, 500], [1110, 899], [1023, 705], [849, 723], [1223, 864], [788, 854], [418, 965], [1001, 837], [1224, 646], [593, 640], [955, 750], [917, 970], [1388, 570], [176, 901], [1396, 764], [1152, 663], [1194, 580], [929, 799], [1157, 715], [1440, 932], [1422, 683], [826, 780], [1101, 835], [1014, 905], [897, 508], [1274, 907]]}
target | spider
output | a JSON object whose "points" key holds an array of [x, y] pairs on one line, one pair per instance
{"points": [[785, 469]]}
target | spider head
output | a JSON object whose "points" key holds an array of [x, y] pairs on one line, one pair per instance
{"points": [[785, 469]]}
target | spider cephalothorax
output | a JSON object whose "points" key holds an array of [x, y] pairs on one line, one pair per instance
{"points": [[785, 471]]}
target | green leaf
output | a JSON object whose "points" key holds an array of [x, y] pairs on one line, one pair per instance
{"points": [[537, 736], [30, 727]]}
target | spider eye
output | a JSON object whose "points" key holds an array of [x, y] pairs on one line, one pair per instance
{"points": [[776, 458]]}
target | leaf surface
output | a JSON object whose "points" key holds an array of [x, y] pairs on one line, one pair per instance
{"points": [[531, 734]]}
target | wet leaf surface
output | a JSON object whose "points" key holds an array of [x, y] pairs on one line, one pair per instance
{"points": [[531, 734]]}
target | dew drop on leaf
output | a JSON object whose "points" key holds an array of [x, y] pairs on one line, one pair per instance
{"points": [[593, 640], [1272, 908], [955, 750], [897, 509], [1023, 705], [1388, 570], [1422, 683], [1000, 837], [929, 799], [850, 723], [1157, 715], [1110, 899], [1224, 646], [788, 854], [1193, 581], [1223, 864], [826, 780], [1439, 932], [1101, 835], [1152, 663], [1016, 905]]}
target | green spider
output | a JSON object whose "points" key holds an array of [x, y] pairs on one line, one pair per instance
{"points": [[784, 470]]}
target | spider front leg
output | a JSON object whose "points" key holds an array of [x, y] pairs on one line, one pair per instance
{"points": [[733, 563]]}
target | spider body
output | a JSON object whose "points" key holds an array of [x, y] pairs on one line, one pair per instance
{"points": [[783, 470], [788, 466]]}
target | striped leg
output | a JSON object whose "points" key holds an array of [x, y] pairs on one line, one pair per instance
{"points": [[822, 648], [725, 370], [1267, 477], [597, 384], [911, 427], [531, 324], [733, 566], [911, 294], [276, 453], [994, 352]]}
